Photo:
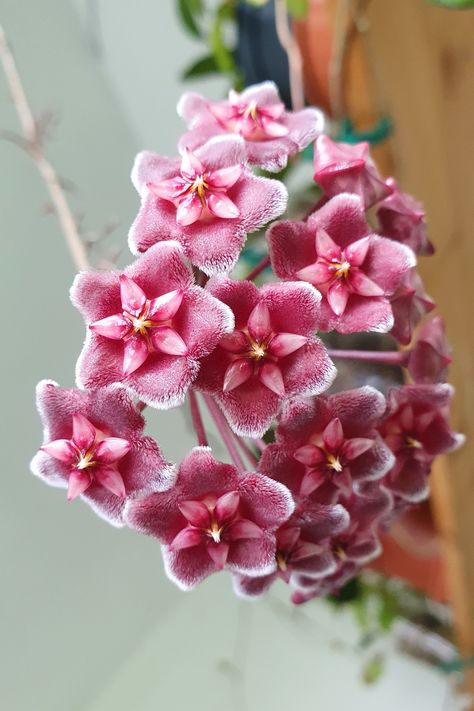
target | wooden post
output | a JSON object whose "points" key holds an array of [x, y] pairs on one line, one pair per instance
{"points": [[424, 59]]}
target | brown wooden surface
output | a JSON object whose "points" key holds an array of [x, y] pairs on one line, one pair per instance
{"points": [[424, 60]]}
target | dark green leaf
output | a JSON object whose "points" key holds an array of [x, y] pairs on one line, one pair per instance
{"points": [[204, 65], [188, 10], [298, 8], [222, 54]]}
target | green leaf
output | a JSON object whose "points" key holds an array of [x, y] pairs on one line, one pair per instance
{"points": [[455, 4], [222, 54], [257, 3], [298, 8], [188, 10], [373, 669], [202, 66]]}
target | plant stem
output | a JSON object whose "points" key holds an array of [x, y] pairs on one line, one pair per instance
{"points": [[387, 357], [258, 269], [260, 444], [197, 419], [291, 47], [30, 130], [247, 452], [224, 432]]}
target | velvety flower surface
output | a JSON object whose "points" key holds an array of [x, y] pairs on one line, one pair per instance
{"points": [[271, 355], [302, 548], [208, 201], [94, 446], [402, 218], [258, 115], [329, 443], [409, 304], [355, 270], [416, 429], [148, 326], [431, 355], [348, 168], [213, 518]]}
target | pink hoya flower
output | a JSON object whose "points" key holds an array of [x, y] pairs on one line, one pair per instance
{"points": [[356, 271], [409, 304], [271, 355], [301, 548], [148, 326], [258, 115], [326, 586], [213, 518], [95, 447], [208, 201], [329, 442], [431, 355], [348, 168], [402, 218], [416, 429], [356, 545]]}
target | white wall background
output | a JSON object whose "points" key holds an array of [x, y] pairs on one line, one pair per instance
{"points": [[88, 621]]}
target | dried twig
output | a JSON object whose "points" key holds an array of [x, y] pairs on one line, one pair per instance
{"points": [[33, 134], [295, 61]]}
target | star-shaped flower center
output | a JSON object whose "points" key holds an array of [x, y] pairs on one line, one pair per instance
{"points": [[339, 272], [144, 325], [214, 521], [256, 349], [199, 192], [330, 453], [91, 456], [250, 119]]}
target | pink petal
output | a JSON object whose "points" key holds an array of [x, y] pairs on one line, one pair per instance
{"points": [[237, 373], [133, 298], [222, 206], [285, 343], [187, 538], [166, 340], [243, 528], [235, 342], [112, 449], [224, 177], [317, 273], [196, 513], [83, 432], [189, 210], [310, 455], [270, 375], [259, 323], [218, 552], [135, 353], [353, 448], [61, 449], [191, 165], [226, 506], [116, 326], [325, 246], [343, 481], [79, 481], [362, 285], [111, 479], [357, 251], [337, 296], [273, 129], [333, 435], [312, 480], [168, 189], [165, 306]]}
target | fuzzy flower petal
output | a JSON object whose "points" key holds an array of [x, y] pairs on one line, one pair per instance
{"points": [[212, 211], [113, 460], [173, 326]]}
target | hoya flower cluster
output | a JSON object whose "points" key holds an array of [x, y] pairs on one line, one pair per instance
{"points": [[341, 464]]}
